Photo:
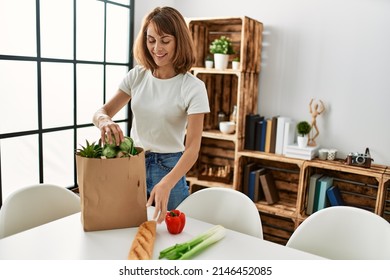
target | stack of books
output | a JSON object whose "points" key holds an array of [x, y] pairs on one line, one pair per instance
{"points": [[294, 151], [322, 193], [319, 195], [277, 135], [259, 184]]}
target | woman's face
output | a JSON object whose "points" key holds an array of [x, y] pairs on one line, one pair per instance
{"points": [[161, 47]]}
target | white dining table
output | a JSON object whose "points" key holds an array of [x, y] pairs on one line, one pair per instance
{"points": [[65, 239]]}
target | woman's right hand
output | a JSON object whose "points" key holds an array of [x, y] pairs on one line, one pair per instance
{"points": [[110, 132], [102, 118]]}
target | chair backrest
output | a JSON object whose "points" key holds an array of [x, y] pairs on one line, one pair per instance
{"points": [[35, 205], [227, 207], [343, 233]]}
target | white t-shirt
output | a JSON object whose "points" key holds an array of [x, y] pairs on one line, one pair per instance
{"points": [[160, 108]]}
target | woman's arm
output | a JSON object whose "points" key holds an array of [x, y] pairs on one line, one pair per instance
{"points": [[161, 191], [102, 119]]}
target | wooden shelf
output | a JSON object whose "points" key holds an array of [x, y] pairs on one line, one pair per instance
{"points": [[287, 210], [202, 70], [271, 156], [375, 170], [216, 134], [196, 181]]}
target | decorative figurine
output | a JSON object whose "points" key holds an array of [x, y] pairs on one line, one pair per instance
{"points": [[315, 110]]}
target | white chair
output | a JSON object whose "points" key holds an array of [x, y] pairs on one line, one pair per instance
{"points": [[343, 233], [227, 207], [36, 205]]}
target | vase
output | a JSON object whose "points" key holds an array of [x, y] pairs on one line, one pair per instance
{"points": [[221, 61], [209, 64], [302, 141], [235, 65]]}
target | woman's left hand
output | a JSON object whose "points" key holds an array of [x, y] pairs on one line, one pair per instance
{"points": [[160, 196]]}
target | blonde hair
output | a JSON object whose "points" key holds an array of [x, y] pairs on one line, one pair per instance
{"points": [[169, 21]]}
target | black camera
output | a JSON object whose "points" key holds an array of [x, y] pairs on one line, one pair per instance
{"points": [[359, 159]]}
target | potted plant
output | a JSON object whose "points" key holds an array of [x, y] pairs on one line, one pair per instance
{"points": [[209, 62], [236, 63], [303, 129], [221, 48]]}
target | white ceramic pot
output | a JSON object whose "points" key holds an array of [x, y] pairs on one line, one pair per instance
{"points": [[221, 61], [209, 64], [235, 65], [302, 141]]}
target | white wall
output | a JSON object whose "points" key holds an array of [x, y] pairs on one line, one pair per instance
{"points": [[333, 50], [142, 8]]}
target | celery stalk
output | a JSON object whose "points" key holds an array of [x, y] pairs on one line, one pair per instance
{"points": [[187, 250]]}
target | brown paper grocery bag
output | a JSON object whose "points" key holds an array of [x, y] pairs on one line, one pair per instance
{"points": [[112, 191]]}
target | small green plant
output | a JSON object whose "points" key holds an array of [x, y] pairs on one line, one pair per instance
{"points": [[237, 58], [303, 128], [222, 45], [209, 58], [90, 150]]}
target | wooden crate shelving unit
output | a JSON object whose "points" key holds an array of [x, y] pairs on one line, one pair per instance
{"points": [[360, 187], [226, 89], [276, 228], [384, 204], [244, 32], [286, 173], [279, 220], [367, 188]]}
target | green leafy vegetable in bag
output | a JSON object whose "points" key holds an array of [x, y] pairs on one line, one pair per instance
{"points": [[127, 146], [110, 151], [93, 150]]}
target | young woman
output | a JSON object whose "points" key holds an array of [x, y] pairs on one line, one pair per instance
{"points": [[168, 105]]}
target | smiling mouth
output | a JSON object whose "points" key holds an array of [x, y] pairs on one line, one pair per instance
{"points": [[160, 55]]}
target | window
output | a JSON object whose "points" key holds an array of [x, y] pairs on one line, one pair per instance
{"points": [[60, 60]]}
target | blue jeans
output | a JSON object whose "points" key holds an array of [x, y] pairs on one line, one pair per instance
{"points": [[157, 166]]}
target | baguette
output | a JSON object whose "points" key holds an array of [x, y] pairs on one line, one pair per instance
{"points": [[143, 243]]}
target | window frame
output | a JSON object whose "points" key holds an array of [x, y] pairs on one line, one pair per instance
{"points": [[38, 59]]}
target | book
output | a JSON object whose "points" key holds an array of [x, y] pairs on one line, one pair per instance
{"points": [[254, 185], [259, 133], [263, 135], [334, 196], [261, 130], [320, 199], [247, 170], [280, 134], [269, 188], [311, 192], [250, 130], [289, 134], [268, 132], [274, 125]]}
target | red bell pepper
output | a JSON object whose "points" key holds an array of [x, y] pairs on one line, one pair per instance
{"points": [[175, 221]]}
